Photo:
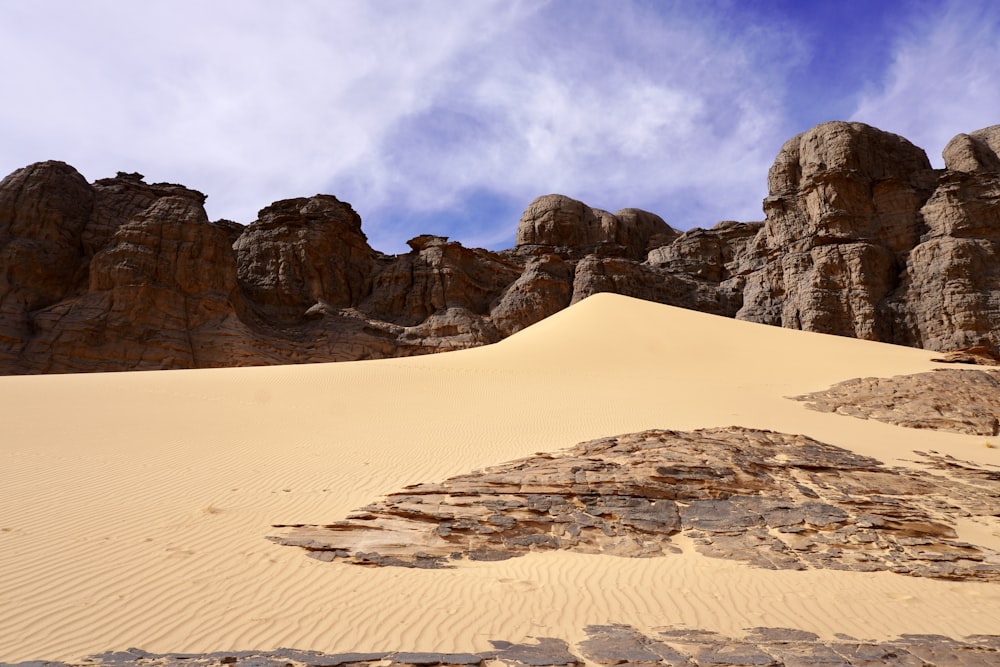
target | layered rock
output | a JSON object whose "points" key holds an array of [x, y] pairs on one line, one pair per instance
{"points": [[162, 294], [861, 238], [774, 500], [963, 401]]}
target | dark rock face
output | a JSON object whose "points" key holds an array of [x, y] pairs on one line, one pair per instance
{"points": [[303, 252], [44, 210], [861, 238], [774, 500]]}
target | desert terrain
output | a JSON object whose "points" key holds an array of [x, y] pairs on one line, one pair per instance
{"points": [[135, 507]]}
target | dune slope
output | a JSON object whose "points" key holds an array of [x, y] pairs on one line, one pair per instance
{"points": [[134, 506]]}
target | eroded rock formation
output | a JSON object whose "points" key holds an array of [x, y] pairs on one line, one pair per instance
{"points": [[774, 500], [861, 237]]}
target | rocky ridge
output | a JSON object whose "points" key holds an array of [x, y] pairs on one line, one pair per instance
{"points": [[861, 237]]}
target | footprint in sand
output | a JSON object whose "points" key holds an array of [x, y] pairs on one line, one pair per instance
{"points": [[523, 585]]}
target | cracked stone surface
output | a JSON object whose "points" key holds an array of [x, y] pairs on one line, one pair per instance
{"points": [[611, 645], [773, 500], [964, 401]]}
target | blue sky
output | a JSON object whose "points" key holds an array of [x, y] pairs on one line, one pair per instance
{"points": [[450, 116]]}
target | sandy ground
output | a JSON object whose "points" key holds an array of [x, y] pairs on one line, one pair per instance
{"points": [[134, 506]]}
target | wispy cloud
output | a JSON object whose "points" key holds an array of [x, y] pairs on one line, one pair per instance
{"points": [[943, 77], [442, 111]]}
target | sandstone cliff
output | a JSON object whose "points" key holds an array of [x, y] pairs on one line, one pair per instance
{"points": [[861, 237]]}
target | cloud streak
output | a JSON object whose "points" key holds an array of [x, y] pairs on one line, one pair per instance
{"points": [[943, 77]]}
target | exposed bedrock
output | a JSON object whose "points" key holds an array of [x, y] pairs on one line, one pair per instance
{"points": [[774, 500], [616, 644], [860, 237]]}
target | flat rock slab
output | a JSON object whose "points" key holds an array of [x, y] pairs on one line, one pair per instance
{"points": [[963, 401], [609, 645], [774, 500]]}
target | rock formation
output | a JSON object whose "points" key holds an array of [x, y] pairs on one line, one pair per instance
{"points": [[962, 401], [861, 237], [774, 500]]}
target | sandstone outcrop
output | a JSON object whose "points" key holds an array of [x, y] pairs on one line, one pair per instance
{"points": [[963, 401], [843, 204], [861, 238], [864, 239], [774, 500]]}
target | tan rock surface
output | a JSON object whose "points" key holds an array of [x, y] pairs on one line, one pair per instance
{"points": [[843, 203]]}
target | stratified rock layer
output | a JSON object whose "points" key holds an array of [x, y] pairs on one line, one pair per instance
{"points": [[774, 500], [861, 238], [963, 401]]}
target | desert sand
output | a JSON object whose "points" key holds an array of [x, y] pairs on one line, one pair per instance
{"points": [[134, 507]]}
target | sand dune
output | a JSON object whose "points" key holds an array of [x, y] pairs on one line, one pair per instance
{"points": [[134, 506]]}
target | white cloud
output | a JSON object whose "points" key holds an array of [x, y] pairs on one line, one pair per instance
{"points": [[943, 79], [400, 107]]}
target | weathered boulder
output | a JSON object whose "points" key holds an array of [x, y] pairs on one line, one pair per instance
{"points": [[948, 293], [118, 199]]}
